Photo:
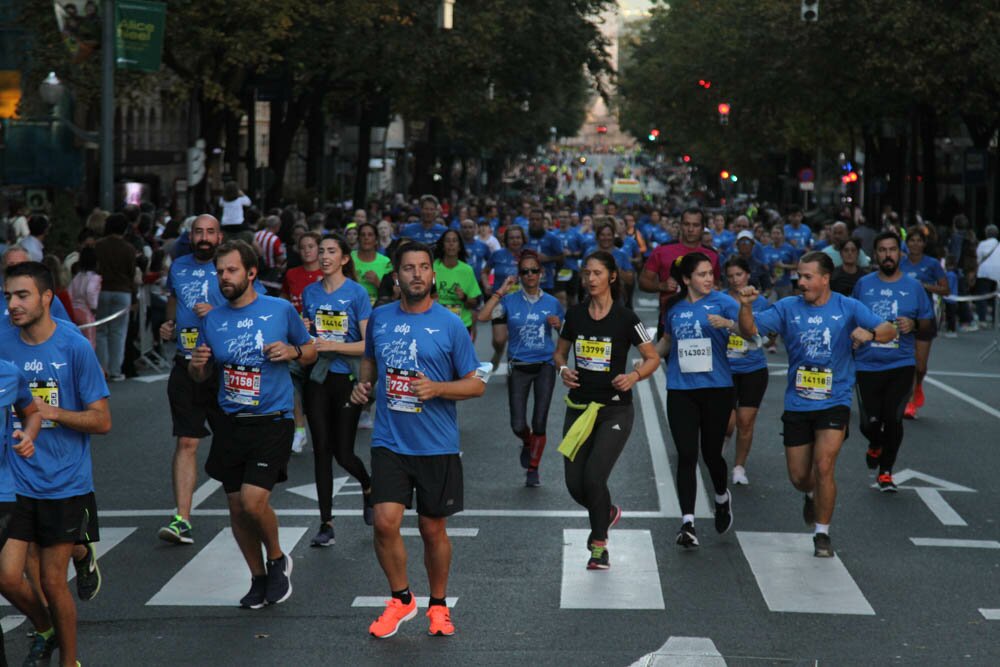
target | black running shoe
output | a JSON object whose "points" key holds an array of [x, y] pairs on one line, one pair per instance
{"points": [[724, 515], [532, 479], [279, 580], [525, 456], [822, 548], [598, 559], [257, 597], [885, 483], [324, 537], [367, 511], [809, 511], [872, 457], [686, 537], [88, 575]]}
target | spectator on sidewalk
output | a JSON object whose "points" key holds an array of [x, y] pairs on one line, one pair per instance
{"points": [[34, 242], [85, 291], [987, 271], [116, 261]]}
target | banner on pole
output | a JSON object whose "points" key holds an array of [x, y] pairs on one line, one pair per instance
{"points": [[139, 27]]}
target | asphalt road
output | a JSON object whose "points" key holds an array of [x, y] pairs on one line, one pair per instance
{"points": [[908, 586]]}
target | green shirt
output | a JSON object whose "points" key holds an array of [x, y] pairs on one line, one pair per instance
{"points": [[380, 265], [461, 276]]}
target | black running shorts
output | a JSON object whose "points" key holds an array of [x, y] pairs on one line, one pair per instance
{"points": [[48, 522], [192, 404], [801, 427], [750, 388], [250, 450], [436, 479]]}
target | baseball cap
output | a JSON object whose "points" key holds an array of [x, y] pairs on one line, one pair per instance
{"points": [[745, 234]]}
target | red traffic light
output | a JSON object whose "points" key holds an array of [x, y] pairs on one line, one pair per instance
{"points": [[602, 129], [686, 158], [849, 177], [724, 109], [704, 83], [724, 175], [654, 132]]}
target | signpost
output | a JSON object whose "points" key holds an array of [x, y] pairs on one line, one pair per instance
{"points": [[139, 28]]}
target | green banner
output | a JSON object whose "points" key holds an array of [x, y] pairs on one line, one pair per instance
{"points": [[139, 27]]}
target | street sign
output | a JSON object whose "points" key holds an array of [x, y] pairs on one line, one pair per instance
{"points": [[807, 186], [196, 163], [806, 175], [37, 199], [139, 28]]}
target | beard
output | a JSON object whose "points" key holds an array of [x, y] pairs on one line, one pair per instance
{"points": [[888, 267], [204, 252], [233, 292], [412, 295]]}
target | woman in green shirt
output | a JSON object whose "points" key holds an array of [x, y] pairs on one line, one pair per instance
{"points": [[371, 266], [457, 287]]}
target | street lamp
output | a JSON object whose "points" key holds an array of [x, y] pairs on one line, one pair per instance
{"points": [[724, 109], [53, 91]]}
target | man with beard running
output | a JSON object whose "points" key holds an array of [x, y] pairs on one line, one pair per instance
{"points": [[885, 370], [246, 345]]}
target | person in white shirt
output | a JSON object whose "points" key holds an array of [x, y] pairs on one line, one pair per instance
{"points": [[988, 271], [485, 235], [232, 202]]}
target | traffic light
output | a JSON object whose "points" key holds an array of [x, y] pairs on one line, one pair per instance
{"points": [[602, 129], [653, 134], [704, 83], [724, 175], [810, 11], [849, 177], [724, 109], [686, 158], [733, 178]]}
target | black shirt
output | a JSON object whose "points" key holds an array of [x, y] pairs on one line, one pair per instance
{"points": [[843, 282], [600, 351]]}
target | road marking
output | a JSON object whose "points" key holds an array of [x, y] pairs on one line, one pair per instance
{"points": [[8, 623], [110, 538], [963, 396], [683, 652], [633, 582], [701, 507], [216, 577], [309, 490], [662, 476], [313, 512], [988, 614], [452, 532], [958, 374], [931, 496], [202, 493], [379, 601], [965, 544], [149, 379], [791, 579]]}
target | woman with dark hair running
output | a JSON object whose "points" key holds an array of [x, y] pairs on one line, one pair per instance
{"points": [[699, 387], [599, 409], [336, 309], [457, 287], [530, 316], [503, 263]]}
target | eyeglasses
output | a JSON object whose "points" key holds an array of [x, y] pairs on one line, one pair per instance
{"points": [[529, 272]]}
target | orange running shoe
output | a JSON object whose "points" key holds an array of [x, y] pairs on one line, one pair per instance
{"points": [[918, 395], [396, 613], [441, 625], [910, 412]]}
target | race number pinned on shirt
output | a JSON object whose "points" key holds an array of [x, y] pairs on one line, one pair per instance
{"points": [[736, 347], [189, 340], [593, 354], [695, 355], [398, 393], [332, 325], [48, 391], [814, 383], [242, 384], [455, 308], [564, 275]]}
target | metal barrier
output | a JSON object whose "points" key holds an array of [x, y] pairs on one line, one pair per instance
{"points": [[148, 356], [994, 345]]}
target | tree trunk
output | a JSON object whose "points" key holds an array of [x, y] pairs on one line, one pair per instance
{"points": [[286, 117], [315, 148], [928, 132], [233, 153], [364, 156], [213, 121]]}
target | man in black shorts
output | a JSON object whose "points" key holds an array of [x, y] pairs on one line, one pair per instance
{"points": [[415, 379]]}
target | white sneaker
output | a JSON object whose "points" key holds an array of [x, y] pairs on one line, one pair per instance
{"points": [[366, 421], [740, 475], [950, 334], [299, 442], [970, 327]]}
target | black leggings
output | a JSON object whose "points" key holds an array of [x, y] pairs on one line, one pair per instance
{"points": [[520, 380], [587, 475], [882, 397], [333, 421], [694, 412]]}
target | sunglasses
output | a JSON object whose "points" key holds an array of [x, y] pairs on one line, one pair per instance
{"points": [[529, 272]]}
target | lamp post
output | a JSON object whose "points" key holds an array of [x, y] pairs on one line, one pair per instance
{"points": [[53, 92]]}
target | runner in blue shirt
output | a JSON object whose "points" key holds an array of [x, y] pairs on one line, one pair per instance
{"points": [[246, 344], [529, 316], [885, 370], [929, 273], [477, 251], [699, 387], [749, 367], [569, 275], [428, 230], [781, 259], [550, 253], [503, 264], [820, 329], [55, 504], [722, 238], [337, 310], [797, 234], [418, 362]]}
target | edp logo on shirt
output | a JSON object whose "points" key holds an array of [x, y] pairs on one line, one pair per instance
{"points": [[34, 366]]}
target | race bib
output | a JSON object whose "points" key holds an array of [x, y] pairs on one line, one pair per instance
{"points": [[241, 384], [737, 346], [332, 325], [814, 382], [564, 275], [48, 391], [399, 394], [455, 308], [189, 340], [593, 354], [779, 271], [891, 345], [695, 355]]}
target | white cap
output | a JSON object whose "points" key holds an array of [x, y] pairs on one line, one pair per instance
{"points": [[745, 234]]}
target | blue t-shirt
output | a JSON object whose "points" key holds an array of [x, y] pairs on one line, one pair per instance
{"points": [[891, 300], [723, 241], [547, 244], [697, 349], [478, 252], [417, 232], [14, 393], [529, 334], [573, 242], [63, 371], [337, 316], [784, 254], [818, 339], [800, 238], [622, 259], [630, 246], [746, 356], [248, 381], [952, 282], [927, 271], [192, 282], [503, 264], [434, 343], [659, 236]]}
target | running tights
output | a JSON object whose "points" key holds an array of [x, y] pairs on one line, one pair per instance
{"points": [[520, 381], [882, 397], [587, 474], [699, 415], [333, 422]]}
